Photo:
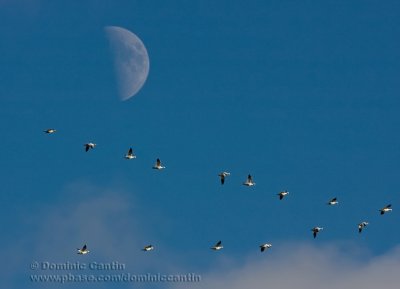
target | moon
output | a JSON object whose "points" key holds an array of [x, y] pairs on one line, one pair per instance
{"points": [[131, 61]]}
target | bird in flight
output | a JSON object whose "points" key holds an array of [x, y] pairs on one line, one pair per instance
{"points": [[130, 155], [249, 182], [283, 194], [265, 246], [158, 166], [386, 209], [89, 146], [316, 230], [333, 202], [217, 246], [148, 248], [83, 251], [50, 131], [222, 176], [361, 226]]}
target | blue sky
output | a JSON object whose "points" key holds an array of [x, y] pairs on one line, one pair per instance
{"points": [[304, 95]]}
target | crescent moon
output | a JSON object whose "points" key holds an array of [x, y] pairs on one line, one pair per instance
{"points": [[131, 61]]}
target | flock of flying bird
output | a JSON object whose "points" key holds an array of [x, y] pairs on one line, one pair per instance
{"points": [[223, 175]]}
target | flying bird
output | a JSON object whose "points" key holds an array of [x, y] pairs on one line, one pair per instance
{"points": [[83, 251], [50, 130], [130, 155], [265, 246], [316, 230], [148, 248], [249, 182], [361, 226], [386, 209], [333, 202], [158, 165], [89, 146], [222, 176], [283, 194], [217, 246]]}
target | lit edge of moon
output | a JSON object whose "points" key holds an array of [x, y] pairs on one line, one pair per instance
{"points": [[131, 60]]}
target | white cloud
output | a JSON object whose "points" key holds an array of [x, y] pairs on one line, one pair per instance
{"points": [[108, 220], [307, 266], [112, 224]]}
